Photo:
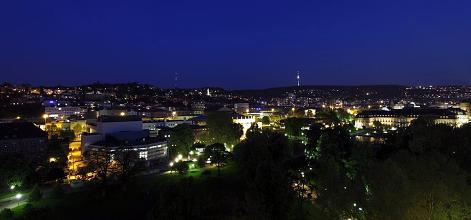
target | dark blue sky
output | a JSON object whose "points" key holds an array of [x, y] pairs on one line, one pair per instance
{"points": [[236, 43]]}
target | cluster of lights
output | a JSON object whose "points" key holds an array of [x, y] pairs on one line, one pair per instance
{"points": [[176, 160]]}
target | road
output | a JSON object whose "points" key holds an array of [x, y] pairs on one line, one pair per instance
{"points": [[75, 160], [12, 202]]}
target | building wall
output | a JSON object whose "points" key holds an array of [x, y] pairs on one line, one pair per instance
{"points": [[241, 108], [148, 152], [246, 122], [113, 127], [88, 139], [459, 121], [31, 147], [63, 112]]}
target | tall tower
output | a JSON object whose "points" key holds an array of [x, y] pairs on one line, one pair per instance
{"points": [[176, 80], [298, 77]]}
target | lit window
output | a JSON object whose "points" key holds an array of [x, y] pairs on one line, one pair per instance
{"points": [[143, 155]]}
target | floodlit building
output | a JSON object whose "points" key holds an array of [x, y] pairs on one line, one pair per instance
{"points": [[245, 121], [117, 133], [404, 117], [63, 112], [241, 108]]}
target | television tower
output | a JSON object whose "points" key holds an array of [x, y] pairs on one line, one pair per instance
{"points": [[298, 77], [176, 80]]}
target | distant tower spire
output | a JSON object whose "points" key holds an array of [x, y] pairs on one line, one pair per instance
{"points": [[176, 80], [208, 93], [298, 77]]}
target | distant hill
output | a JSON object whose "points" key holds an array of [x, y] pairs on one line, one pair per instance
{"points": [[384, 90]]}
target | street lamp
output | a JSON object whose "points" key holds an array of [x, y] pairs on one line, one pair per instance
{"points": [[18, 197], [12, 187], [45, 120]]}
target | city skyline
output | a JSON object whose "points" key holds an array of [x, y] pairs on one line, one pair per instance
{"points": [[236, 45]]}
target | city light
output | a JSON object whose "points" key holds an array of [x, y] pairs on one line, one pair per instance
{"points": [[230, 132]]}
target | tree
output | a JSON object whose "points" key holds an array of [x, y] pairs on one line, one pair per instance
{"points": [[427, 186], [334, 117], [16, 169], [35, 194], [67, 136], [336, 171], [181, 140], [58, 150], [293, 125], [217, 154], [181, 167], [221, 129], [6, 214], [266, 120], [126, 161], [261, 160], [313, 135], [100, 161], [77, 128], [378, 126]]}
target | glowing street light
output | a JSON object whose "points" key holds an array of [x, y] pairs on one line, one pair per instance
{"points": [[45, 116], [18, 197], [122, 114], [12, 187]]}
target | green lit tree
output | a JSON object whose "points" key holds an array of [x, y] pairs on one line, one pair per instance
{"points": [[221, 129], [217, 154], [294, 125], [182, 138], [266, 120]]}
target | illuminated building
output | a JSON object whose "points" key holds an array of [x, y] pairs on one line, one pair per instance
{"points": [[245, 121], [241, 108], [403, 117], [63, 112], [116, 133]]}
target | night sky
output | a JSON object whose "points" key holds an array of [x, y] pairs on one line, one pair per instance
{"points": [[235, 44]]}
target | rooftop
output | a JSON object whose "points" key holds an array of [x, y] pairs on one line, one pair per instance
{"points": [[112, 142], [410, 112], [20, 130], [108, 118]]}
